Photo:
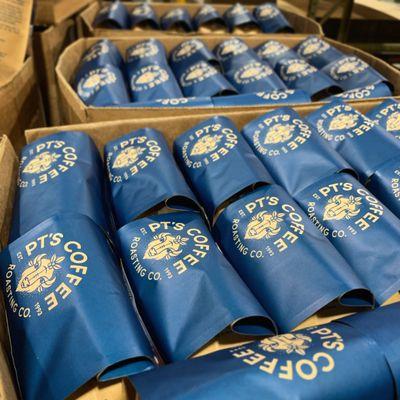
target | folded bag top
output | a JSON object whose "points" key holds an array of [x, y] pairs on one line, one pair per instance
{"points": [[365, 145], [142, 174], [291, 149], [217, 162], [186, 290], [387, 115], [271, 19], [289, 266], [144, 14], [63, 284], [238, 16], [178, 18], [61, 172], [113, 16], [307, 364], [146, 52], [273, 51], [207, 14], [317, 51]]}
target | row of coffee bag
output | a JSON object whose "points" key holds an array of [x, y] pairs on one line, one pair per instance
{"points": [[265, 18]]}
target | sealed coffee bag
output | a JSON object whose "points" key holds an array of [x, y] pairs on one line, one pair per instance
{"points": [[143, 15], [271, 19], [177, 19], [113, 16]]}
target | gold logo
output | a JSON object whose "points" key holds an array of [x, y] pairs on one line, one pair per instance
{"points": [[251, 72], [264, 225], [311, 48], [339, 207], [271, 48], [343, 121], [288, 343], [393, 122], [93, 81], [39, 273], [42, 162], [147, 77], [195, 74], [165, 246], [237, 9], [141, 10], [266, 12], [347, 67], [279, 134], [296, 67], [128, 157], [205, 145]]}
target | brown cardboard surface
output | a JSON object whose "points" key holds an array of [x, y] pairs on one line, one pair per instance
{"points": [[300, 23], [48, 45], [50, 12], [74, 110]]}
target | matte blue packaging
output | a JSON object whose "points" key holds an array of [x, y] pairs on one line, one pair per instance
{"points": [[361, 228], [272, 97], [102, 86], [203, 79], [233, 53], [365, 145], [253, 77], [59, 173], [296, 73], [239, 16], [317, 51], [207, 14], [186, 290], [144, 14], [271, 19], [368, 92], [291, 150], [273, 51], [146, 52], [190, 52], [217, 162], [350, 72], [330, 362], [68, 309], [102, 53], [387, 115], [292, 270], [177, 19], [152, 81], [113, 16], [142, 174]]}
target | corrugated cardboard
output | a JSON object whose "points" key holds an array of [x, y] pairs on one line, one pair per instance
{"points": [[300, 23], [48, 45], [75, 111], [50, 12]]}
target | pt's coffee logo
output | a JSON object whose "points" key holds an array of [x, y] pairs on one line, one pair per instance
{"points": [[148, 77], [141, 50], [340, 210], [177, 13], [252, 72], [271, 48], [45, 161], [346, 67], [340, 207], [293, 356], [312, 47], [143, 9], [288, 343], [237, 9], [393, 122], [197, 73], [48, 270], [130, 156], [266, 11], [342, 122], [205, 10], [96, 51], [94, 80], [266, 227], [207, 145], [164, 246], [166, 249], [39, 273], [294, 69], [280, 134], [187, 49], [230, 48]]}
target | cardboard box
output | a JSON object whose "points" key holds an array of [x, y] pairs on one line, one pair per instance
{"points": [[48, 44], [50, 12], [300, 23], [75, 111]]}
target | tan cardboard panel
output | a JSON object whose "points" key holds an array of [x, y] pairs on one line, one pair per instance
{"points": [[300, 23], [75, 111]]}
